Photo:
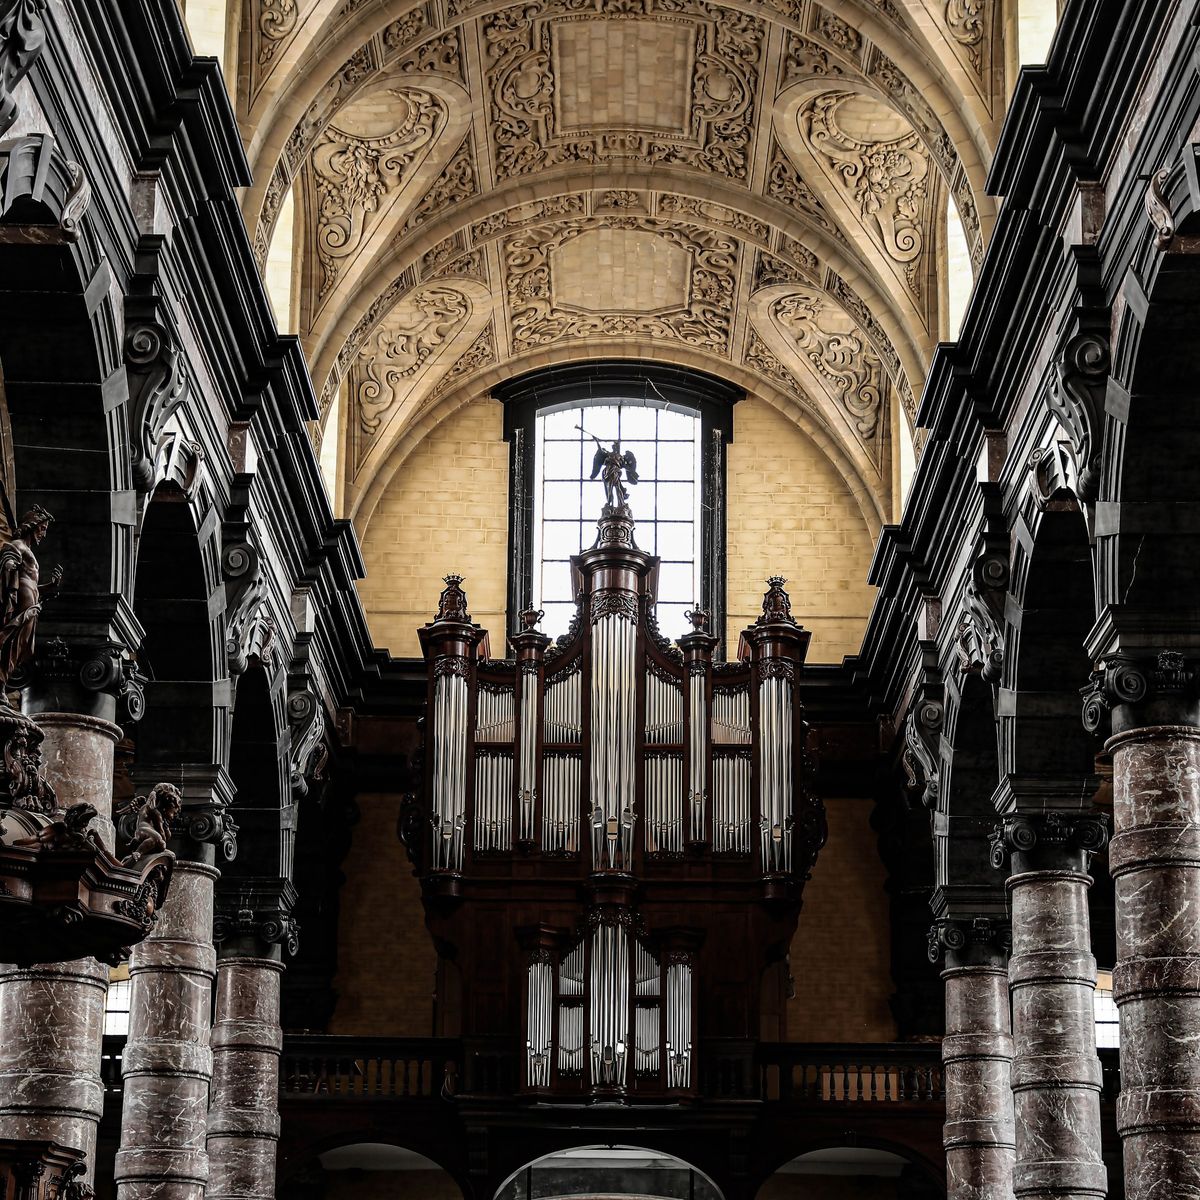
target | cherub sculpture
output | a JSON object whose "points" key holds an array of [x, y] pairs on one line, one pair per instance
{"points": [[612, 463], [155, 813], [21, 588]]}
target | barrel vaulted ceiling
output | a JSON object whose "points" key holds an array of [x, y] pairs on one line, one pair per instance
{"points": [[757, 189]]}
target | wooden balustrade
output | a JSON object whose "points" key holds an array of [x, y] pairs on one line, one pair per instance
{"points": [[784, 1073]]}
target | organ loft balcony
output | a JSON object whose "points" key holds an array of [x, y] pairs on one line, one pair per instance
{"points": [[614, 831]]}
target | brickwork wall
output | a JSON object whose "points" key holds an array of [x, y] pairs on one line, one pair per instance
{"points": [[840, 954], [447, 510], [790, 513], [386, 959]]}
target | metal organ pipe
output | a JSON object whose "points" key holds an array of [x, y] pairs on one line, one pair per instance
{"points": [[538, 1023], [664, 803], [697, 755], [448, 809], [664, 711], [731, 718], [560, 803], [731, 804], [775, 773], [608, 1005], [528, 756], [679, 1025], [494, 715], [562, 717], [493, 801], [614, 638]]}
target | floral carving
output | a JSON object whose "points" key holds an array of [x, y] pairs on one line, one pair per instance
{"points": [[784, 183], [759, 357], [537, 320], [458, 182], [965, 21], [482, 353], [838, 353], [353, 176], [886, 181], [522, 89], [276, 21], [404, 343]]}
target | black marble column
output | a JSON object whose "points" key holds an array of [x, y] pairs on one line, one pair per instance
{"points": [[52, 1017], [977, 1053], [1155, 863], [168, 1062], [1056, 1072], [243, 1120]]}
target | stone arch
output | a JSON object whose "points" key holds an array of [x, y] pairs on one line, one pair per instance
{"points": [[59, 339], [786, 1151], [1046, 757], [372, 1145], [179, 598]]}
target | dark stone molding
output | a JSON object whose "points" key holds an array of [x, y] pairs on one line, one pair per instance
{"points": [[256, 918], [983, 941]]}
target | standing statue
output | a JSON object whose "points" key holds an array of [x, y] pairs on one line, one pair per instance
{"points": [[21, 590], [155, 813], [612, 463]]}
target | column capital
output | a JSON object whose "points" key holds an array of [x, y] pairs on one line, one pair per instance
{"points": [[983, 941], [1127, 691], [1048, 841], [253, 918], [85, 676]]}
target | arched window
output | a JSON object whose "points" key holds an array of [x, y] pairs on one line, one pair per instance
{"points": [[676, 422]]}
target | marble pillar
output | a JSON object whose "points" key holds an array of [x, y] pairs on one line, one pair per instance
{"points": [[1155, 863], [1056, 1077], [52, 1017], [977, 1053], [243, 1120], [168, 1062]]}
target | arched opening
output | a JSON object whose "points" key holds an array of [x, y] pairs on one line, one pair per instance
{"points": [[863, 1172], [258, 769], [378, 1169], [606, 1173], [178, 654]]}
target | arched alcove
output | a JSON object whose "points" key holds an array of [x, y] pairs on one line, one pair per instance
{"points": [[375, 1170], [862, 1172], [609, 1173]]}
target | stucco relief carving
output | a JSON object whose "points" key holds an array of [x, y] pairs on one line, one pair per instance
{"points": [[703, 320], [838, 352], [353, 177], [406, 340], [965, 22], [759, 357], [276, 22], [784, 183], [458, 182], [885, 181], [481, 353], [542, 117]]}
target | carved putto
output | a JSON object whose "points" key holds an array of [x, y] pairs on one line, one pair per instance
{"points": [[155, 814], [22, 590]]}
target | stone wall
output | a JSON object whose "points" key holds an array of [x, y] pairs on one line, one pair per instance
{"points": [[790, 513], [840, 954], [446, 510]]}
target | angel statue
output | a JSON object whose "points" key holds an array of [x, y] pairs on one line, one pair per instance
{"points": [[21, 589], [612, 463]]}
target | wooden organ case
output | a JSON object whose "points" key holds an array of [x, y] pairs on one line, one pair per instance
{"points": [[614, 833]]}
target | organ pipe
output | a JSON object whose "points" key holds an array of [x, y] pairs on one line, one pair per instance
{"points": [[493, 801], [679, 1025], [775, 773], [731, 804], [527, 795], [608, 1006], [449, 806], [613, 735], [538, 1022]]}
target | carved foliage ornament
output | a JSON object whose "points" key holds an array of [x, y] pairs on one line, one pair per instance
{"points": [[249, 630], [1076, 398], [411, 334], [885, 181], [525, 95], [980, 635], [22, 39], [354, 177], [922, 750], [1158, 209], [306, 721], [537, 319], [610, 601], [276, 21], [965, 22], [838, 352]]}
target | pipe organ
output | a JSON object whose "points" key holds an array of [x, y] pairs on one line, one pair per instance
{"points": [[614, 830]]}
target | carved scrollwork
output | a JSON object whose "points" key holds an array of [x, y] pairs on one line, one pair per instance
{"points": [[212, 824], [777, 668], [274, 926], [144, 905], [957, 936], [1121, 679], [451, 665], [1076, 398], [1158, 209], [306, 721], [158, 384], [965, 21], [613, 600], [922, 750], [249, 629], [276, 21], [1021, 833], [22, 39], [980, 634]]}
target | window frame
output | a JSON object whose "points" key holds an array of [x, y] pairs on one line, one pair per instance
{"points": [[611, 382]]}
